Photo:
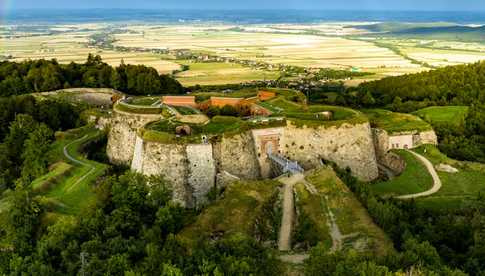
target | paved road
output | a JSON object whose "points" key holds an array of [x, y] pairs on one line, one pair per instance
{"points": [[436, 179], [79, 162]]}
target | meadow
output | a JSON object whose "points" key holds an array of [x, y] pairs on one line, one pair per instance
{"points": [[356, 226], [454, 115]]}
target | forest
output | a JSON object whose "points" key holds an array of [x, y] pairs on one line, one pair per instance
{"points": [[461, 85], [48, 75]]}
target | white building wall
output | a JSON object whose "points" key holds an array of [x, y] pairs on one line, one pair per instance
{"points": [[401, 142]]}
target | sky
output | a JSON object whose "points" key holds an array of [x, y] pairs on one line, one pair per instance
{"points": [[423, 5]]}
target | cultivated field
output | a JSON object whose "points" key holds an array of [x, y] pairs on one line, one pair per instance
{"points": [[293, 49], [68, 47], [221, 73], [326, 45]]}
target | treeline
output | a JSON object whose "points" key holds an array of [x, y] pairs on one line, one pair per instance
{"points": [[450, 242], [131, 230], [27, 128], [465, 142], [47, 75], [452, 85]]}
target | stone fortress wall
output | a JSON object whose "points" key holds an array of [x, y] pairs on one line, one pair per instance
{"points": [[123, 133], [193, 169], [384, 142]]}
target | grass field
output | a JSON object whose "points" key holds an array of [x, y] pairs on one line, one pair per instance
{"points": [[414, 179], [394, 122], [68, 47], [68, 184], [216, 73], [234, 213], [442, 57], [146, 101], [138, 110], [454, 115], [457, 188], [358, 229]]}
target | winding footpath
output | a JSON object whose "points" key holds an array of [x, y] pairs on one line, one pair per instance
{"points": [[71, 158], [436, 179]]}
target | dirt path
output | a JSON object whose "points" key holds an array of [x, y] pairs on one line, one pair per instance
{"points": [[92, 169], [436, 179], [337, 237], [284, 238]]}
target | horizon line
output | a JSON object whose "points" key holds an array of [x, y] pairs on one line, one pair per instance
{"points": [[241, 9]]}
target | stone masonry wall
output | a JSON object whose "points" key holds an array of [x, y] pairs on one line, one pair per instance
{"points": [[236, 156], [428, 137], [348, 146], [122, 135], [201, 171], [170, 161]]}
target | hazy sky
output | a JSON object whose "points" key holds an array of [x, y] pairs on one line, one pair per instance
{"points": [[435, 5]]}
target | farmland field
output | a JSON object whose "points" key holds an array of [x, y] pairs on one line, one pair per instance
{"points": [[221, 73], [73, 47], [324, 45], [275, 48]]}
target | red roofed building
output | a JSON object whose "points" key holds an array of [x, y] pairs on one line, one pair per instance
{"points": [[222, 101], [266, 95], [179, 100]]}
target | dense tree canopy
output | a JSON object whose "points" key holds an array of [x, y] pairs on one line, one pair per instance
{"points": [[452, 85], [130, 231], [47, 75]]}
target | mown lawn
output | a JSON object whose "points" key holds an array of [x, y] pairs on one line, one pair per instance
{"points": [[414, 179], [454, 115], [129, 109], [146, 101], [457, 188], [70, 187]]}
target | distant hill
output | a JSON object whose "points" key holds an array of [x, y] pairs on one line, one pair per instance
{"points": [[440, 30]]}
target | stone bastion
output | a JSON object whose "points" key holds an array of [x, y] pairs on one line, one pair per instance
{"points": [[194, 168]]}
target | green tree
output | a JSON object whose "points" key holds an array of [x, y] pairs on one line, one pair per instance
{"points": [[34, 156]]}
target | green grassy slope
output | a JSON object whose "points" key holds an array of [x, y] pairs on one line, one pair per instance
{"points": [[394, 122], [454, 115], [352, 218], [458, 188], [245, 208], [414, 179], [69, 184]]}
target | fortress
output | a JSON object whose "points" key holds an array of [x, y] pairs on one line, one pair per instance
{"points": [[197, 163]]}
